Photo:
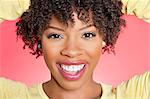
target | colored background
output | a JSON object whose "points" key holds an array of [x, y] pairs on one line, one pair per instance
{"points": [[132, 56]]}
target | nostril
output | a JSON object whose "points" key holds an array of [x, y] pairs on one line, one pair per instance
{"points": [[71, 52]]}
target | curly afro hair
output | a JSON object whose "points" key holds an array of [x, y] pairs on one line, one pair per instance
{"points": [[106, 16]]}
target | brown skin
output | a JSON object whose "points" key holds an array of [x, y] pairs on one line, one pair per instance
{"points": [[73, 46]]}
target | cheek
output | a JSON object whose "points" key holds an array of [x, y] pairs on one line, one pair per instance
{"points": [[50, 52], [94, 51], [50, 55]]}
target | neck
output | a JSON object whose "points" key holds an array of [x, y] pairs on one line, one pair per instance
{"points": [[89, 90]]}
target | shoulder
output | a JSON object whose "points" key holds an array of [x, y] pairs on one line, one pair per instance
{"points": [[143, 79], [10, 88], [137, 86], [11, 84], [17, 90]]}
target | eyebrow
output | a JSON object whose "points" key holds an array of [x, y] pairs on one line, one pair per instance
{"points": [[90, 25], [59, 29], [56, 28]]}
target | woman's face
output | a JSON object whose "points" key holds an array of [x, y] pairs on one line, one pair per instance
{"points": [[71, 52]]}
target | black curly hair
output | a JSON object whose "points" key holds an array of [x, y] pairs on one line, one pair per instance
{"points": [[106, 16]]}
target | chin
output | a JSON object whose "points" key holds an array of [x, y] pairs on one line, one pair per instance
{"points": [[69, 78], [71, 85]]}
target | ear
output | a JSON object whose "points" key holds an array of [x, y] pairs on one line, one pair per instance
{"points": [[103, 43]]}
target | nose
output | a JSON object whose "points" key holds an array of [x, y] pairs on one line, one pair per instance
{"points": [[71, 50]]}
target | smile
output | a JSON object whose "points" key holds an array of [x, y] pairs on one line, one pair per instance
{"points": [[72, 68], [72, 71]]}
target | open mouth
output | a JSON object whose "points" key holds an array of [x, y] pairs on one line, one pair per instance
{"points": [[71, 72], [72, 68]]}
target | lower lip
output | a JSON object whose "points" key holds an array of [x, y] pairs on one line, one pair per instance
{"points": [[69, 76]]}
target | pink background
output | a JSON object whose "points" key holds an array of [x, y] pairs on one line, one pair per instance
{"points": [[132, 56]]}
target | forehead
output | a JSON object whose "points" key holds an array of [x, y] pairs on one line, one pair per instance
{"points": [[76, 22]]}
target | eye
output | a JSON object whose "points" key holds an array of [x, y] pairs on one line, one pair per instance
{"points": [[54, 36], [88, 35]]}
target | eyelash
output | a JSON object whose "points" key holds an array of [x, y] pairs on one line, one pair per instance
{"points": [[89, 35], [85, 35], [54, 36]]}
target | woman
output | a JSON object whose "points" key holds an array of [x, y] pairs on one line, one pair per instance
{"points": [[62, 31]]}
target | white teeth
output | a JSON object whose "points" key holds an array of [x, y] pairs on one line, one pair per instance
{"points": [[72, 68]]}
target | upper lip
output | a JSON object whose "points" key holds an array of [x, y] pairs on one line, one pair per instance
{"points": [[78, 62]]}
